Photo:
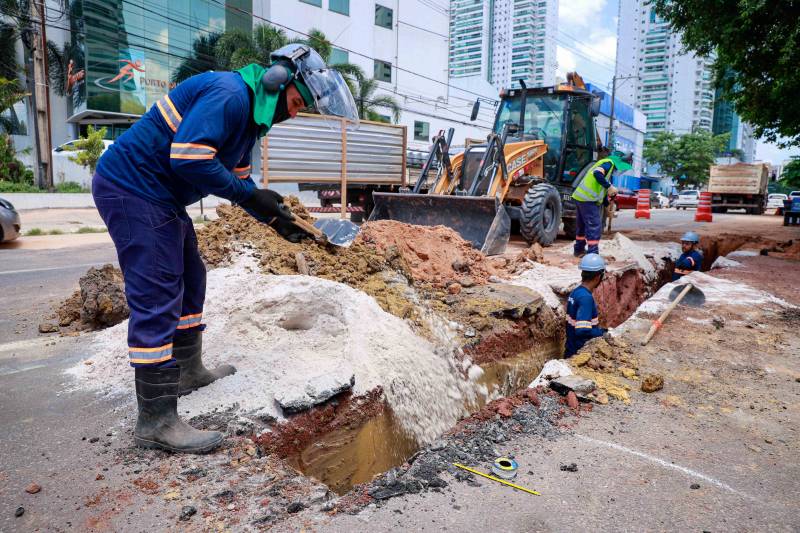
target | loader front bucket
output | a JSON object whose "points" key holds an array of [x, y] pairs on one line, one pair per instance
{"points": [[481, 220]]}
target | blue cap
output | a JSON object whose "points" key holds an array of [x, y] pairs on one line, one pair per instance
{"points": [[592, 263], [690, 236]]}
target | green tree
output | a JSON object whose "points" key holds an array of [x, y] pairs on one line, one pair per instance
{"points": [[11, 169], [790, 177], [89, 148], [687, 157], [10, 94], [662, 150], [757, 46], [367, 103]]}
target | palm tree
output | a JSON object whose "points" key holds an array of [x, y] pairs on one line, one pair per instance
{"points": [[363, 90]]}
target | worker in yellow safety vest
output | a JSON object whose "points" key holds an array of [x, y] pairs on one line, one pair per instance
{"points": [[591, 193]]}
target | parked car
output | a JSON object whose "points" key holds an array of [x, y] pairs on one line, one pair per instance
{"points": [[9, 221], [775, 201], [794, 194], [658, 200], [626, 199], [63, 150], [66, 170], [688, 198]]}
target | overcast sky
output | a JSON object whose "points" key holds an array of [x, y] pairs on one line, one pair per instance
{"points": [[594, 22]]}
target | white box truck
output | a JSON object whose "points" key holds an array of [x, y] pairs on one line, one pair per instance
{"points": [[739, 186]]}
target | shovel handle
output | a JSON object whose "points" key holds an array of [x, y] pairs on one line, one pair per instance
{"points": [[308, 228], [660, 320]]}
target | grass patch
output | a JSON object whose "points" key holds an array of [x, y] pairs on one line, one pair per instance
{"points": [[89, 229], [70, 186], [36, 232]]}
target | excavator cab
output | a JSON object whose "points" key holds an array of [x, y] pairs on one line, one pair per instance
{"points": [[542, 141]]}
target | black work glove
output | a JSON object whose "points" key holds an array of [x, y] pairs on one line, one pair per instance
{"points": [[289, 231], [267, 206]]}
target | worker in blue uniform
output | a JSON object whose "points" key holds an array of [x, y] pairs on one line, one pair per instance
{"points": [[193, 142], [583, 322], [691, 259], [592, 192]]}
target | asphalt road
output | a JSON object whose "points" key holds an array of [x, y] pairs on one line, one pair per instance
{"points": [[34, 281]]}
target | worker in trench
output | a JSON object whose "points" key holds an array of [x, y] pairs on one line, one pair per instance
{"points": [[583, 322], [593, 191], [691, 258], [195, 141]]}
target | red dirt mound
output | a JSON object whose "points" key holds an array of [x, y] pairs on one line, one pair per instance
{"points": [[437, 255]]}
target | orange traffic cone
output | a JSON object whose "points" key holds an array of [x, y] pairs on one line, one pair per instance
{"points": [[643, 204], [703, 213]]}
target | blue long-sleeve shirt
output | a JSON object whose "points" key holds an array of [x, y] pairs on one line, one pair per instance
{"points": [[583, 322], [193, 142], [687, 263], [603, 174]]}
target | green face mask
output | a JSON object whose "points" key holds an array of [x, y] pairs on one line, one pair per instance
{"points": [[265, 103]]}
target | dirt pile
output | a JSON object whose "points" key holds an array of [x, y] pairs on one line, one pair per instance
{"points": [[98, 304], [436, 255], [605, 360]]}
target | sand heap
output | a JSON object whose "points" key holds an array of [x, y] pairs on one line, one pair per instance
{"points": [[605, 360], [99, 303], [436, 255]]}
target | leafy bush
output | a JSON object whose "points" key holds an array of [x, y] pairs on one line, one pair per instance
{"points": [[89, 229], [10, 186], [11, 168], [70, 186], [89, 148]]}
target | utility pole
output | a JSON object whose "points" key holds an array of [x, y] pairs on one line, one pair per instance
{"points": [[611, 141], [41, 98]]}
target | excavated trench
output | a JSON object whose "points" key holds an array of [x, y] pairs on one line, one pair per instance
{"points": [[352, 439]]}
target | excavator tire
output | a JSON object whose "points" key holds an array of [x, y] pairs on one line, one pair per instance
{"points": [[541, 214], [570, 227]]}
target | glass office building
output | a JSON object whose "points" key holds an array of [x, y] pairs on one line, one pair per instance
{"points": [[128, 52]]}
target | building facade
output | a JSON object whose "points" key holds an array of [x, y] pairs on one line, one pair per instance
{"points": [[503, 41], [403, 45], [674, 90], [742, 144]]}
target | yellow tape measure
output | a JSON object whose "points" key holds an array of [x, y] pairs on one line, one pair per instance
{"points": [[503, 481]]}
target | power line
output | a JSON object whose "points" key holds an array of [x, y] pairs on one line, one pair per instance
{"points": [[245, 12]]}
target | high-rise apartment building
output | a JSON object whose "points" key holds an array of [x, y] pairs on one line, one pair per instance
{"points": [[503, 41], [673, 89], [726, 120]]}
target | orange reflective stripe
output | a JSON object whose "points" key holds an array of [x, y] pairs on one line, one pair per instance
{"points": [[580, 238], [151, 361], [184, 317], [167, 118], [158, 349], [172, 107], [242, 172], [191, 151]]}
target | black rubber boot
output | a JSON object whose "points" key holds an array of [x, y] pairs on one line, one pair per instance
{"points": [[187, 347], [159, 425]]}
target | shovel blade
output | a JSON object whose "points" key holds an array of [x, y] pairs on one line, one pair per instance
{"points": [[338, 232], [694, 298]]}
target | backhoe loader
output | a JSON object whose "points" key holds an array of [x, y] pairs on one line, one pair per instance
{"points": [[543, 141]]}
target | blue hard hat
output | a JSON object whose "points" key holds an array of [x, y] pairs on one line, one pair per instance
{"points": [[690, 236], [592, 263]]}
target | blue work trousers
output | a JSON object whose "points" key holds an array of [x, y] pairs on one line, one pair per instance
{"points": [[588, 227], [165, 278]]}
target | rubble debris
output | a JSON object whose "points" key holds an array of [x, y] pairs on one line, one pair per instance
{"points": [[652, 383], [19, 512], [572, 399], [565, 384], [434, 255], [33, 488], [187, 512], [554, 368], [534, 253], [48, 327], [98, 304], [694, 486], [572, 467], [609, 356], [316, 390]]}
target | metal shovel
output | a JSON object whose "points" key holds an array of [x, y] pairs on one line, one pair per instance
{"points": [[688, 293], [333, 231]]}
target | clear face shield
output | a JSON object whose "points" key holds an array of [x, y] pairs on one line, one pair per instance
{"points": [[331, 95]]}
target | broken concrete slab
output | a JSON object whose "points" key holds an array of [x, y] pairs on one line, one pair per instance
{"points": [[577, 384], [552, 369], [317, 390], [504, 300]]}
